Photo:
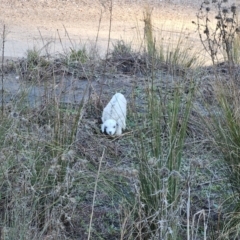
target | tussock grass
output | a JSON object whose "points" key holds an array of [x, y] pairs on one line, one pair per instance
{"points": [[78, 55], [176, 56], [224, 128], [160, 148]]}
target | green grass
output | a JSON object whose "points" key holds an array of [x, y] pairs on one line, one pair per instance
{"points": [[224, 128], [79, 55], [160, 146]]}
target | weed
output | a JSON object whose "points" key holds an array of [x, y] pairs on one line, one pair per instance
{"points": [[220, 35], [34, 59], [78, 55], [121, 50], [34, 67], [2, 66]]}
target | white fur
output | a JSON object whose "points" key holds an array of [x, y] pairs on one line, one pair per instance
{"points": [[114, 115]]}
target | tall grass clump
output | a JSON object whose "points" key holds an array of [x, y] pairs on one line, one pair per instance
{"points": [[121, 49], [36, 159], [161, 139], [224, 128], [220, 38], [160, 157], [178, 55], [79, 55], [35, 171], [34, 59], [175, 52]]}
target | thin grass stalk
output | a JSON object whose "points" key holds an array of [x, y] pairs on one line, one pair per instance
{"points": [[60, 39], [110, 26], [176, 55], [148, 31], [66, 32], [176, 139], [99, 25], [2, 77], [188, 209], [94, 195], [124, 225], [196, 222], [44, 45], [232, 225], [57, 126], [108, 45], [79, 114]]}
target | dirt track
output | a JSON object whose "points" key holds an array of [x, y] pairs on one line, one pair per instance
{"points": [[39, 23], [64, 24]]}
